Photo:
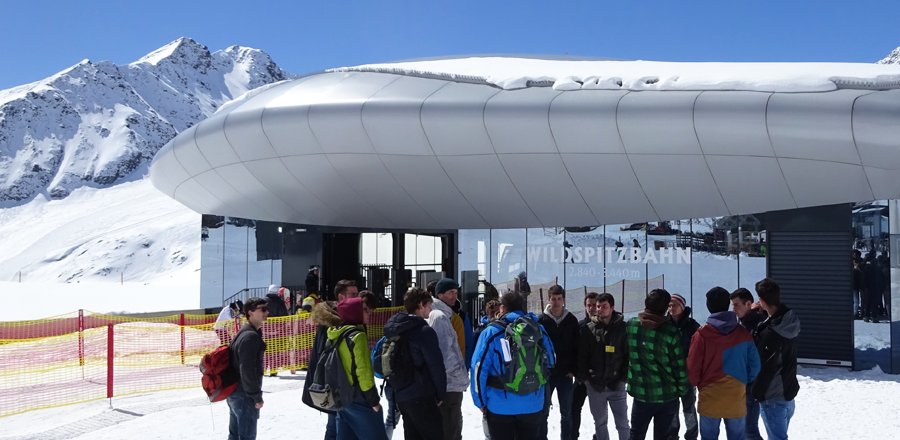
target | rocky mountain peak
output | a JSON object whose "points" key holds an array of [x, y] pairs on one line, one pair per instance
{"points": [[892, 58]]}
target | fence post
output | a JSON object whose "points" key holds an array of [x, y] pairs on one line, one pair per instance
{"points": [[623, 296], [541, 290], [181, 319], [81, 340], [110, 355]]}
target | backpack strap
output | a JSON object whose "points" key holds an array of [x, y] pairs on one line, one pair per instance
{"points": [[347, 336]]}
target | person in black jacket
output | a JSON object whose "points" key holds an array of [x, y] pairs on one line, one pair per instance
{"points": [[579, 394], [419, 385], [562, 327], [324, 315], [750, 316], [776, 385], [603, 364], [680, 315], [275, 302], [247, 351]]}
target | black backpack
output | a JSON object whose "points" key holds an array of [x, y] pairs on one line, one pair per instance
{"points": [[331, 389]]}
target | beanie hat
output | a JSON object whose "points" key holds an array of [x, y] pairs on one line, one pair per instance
{"points": [[717, 300], [679, 299], [273, 288], [351, 311], [444, 285]]}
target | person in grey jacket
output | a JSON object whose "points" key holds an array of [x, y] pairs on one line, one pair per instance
{"points": [[247, 351], [454, 361]]}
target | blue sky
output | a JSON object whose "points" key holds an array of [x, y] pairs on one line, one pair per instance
{"points": [[43, 37]]}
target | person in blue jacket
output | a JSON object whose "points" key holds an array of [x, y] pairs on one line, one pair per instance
{"points": [[509, 415]]}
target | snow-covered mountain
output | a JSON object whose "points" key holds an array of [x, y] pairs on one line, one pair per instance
{"points": [[99, 123], [74, 151], [892, 58]]}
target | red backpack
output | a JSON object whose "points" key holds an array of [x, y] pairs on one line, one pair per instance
{"points": [[219, 377]]}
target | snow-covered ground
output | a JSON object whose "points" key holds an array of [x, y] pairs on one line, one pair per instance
{"points": [[126, 248], [833, 403]]}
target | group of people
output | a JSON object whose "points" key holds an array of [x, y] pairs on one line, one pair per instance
{"points": [[871, 286], [742, 362]]}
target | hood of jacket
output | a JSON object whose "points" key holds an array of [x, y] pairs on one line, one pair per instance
{"points": [[557, 319], [336, 332], [401, 323], [725, 322], [324, 313], [273, 297], [649, 319], [442, 307], [786, 323]]}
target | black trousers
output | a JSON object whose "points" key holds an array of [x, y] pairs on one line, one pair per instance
{"points": [[515, 427], [421, 419], [578, 398]]}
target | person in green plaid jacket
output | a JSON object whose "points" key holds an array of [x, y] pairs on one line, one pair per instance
{"points": [[656, 371]]}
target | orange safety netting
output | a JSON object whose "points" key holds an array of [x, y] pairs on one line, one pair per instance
{"points": [[83, 356]]}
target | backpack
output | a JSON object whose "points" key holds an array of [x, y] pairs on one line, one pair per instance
{"points": [[528, 368], [219, 378], [393, 362], [330, 389]]}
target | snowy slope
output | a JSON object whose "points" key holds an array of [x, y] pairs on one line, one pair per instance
{"points": [[98, 123]]}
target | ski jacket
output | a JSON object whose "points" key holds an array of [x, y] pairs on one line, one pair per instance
{"points": [[275, 305], [563, 332], [722, 361], [454, 362], [363, 378], [428, 363], [488, 361], [775, 338], [247, 350], [687, 326], [603, 353], [656, 371]]}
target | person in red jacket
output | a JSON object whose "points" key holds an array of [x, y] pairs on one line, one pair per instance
{"points": [[722, 361]]}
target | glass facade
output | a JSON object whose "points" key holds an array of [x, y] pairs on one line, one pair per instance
{"points": [[627, 260], [871, 259]]}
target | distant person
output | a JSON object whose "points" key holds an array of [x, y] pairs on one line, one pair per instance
{"points": [[227, 314], [420, 384], [872, 295], [506, 383], [363, 417], [656, 372], [562, 327], [451, 337], [468, 333], [749, 315], [721, 362], [521, 284], [680, 316], [579, 394], [312, 280], [603, 364], [859, 284], [324, 315], [247, 352], [777, 385], [275, 301]]}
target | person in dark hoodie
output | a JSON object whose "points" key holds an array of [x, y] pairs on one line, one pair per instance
{"points": [[721, 362], [562, 327], [247, 351], [656, 373], [418, 386], [602, 363], [776, 386], [579, 395], [275, 302], [680, 316], [324, 315], [749, 315]]}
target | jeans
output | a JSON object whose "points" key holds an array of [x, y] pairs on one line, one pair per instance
{"points": [[709, 428], [689, 408], [564, 389], [776, 415], [331, 427], [660, 413], [751, 422], [243, 418], [358, 421], [393, 413], [578, 397], [618, 403], [515, 427]]}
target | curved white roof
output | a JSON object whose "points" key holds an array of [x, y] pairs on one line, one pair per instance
{"points": [[388, 150]]}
